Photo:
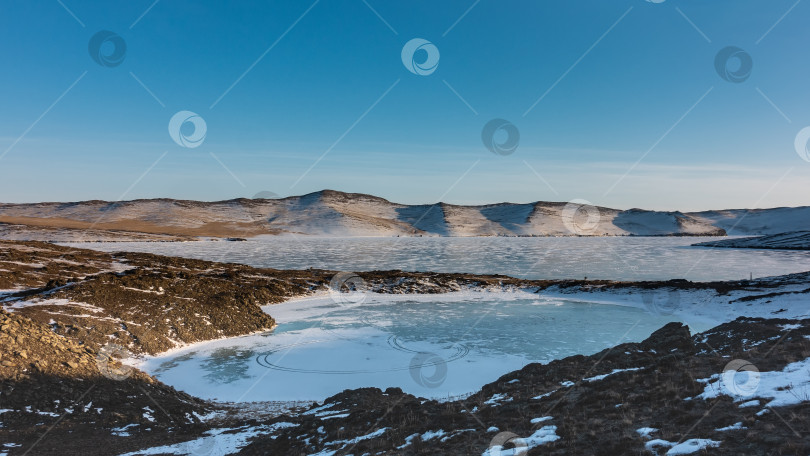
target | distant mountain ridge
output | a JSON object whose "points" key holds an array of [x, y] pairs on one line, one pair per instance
{"points": [[333, 213]]}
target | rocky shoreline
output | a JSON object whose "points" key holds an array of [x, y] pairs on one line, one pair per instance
{"points": [[68, 314], [794, 240]]}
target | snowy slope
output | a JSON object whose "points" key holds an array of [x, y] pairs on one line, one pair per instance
{"points": [[331, 213], [757, 221]]}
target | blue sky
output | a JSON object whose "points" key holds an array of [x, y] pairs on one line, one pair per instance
{"points": [[301, 96]]}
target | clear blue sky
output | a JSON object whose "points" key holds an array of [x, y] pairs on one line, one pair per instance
{"points": [[617, 77]]}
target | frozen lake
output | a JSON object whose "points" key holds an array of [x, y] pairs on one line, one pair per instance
{"points": [[436, 346], [431, 346], [616, 258]]}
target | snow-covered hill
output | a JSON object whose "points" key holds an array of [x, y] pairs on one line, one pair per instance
{"points": [[758, 221], [332, 213]]}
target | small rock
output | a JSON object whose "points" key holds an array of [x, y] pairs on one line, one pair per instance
{"points": [[72, 364]]}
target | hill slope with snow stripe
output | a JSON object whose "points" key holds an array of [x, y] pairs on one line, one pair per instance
{"points": [[332, 213]]}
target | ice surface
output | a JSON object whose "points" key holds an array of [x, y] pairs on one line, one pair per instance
{"points": [[431, 346], [615, 258]]}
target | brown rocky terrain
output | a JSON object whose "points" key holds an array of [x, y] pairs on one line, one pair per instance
{"points": [[59, 396], [54, 233], [68, 313], [591, 415]]}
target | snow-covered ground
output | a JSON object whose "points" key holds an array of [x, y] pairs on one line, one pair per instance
{"points": [[705, 307], [757, 221], [217, 442], [789, 386]]}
